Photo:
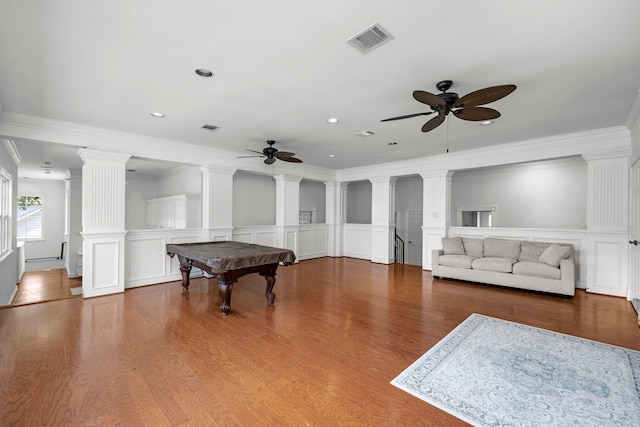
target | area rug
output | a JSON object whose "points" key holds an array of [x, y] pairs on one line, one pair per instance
{"points": [[491, 372]]}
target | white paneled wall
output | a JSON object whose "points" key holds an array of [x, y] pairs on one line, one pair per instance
{"points": [[147, 259]]}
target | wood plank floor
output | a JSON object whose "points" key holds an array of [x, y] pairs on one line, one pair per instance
{"points": [[322, 355], [45, 285]]}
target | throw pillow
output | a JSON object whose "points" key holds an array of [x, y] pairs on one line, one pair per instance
{"points": [[554, 254], [452, 246]]}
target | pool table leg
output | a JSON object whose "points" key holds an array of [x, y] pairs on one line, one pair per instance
{"points": [[271, 282], [225, 288], [185, 270]]}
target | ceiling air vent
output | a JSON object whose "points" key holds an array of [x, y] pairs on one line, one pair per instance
{"points": [[209, 127], [370, 38], [364, 133]]}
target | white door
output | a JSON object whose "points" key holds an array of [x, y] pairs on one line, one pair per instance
{"points": [[634, 238], [414, 244]]}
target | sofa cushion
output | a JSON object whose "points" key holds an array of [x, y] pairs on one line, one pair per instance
{"points": [[555, 253], [531, 251], [474, 247], [537, 269], [460, 261], [502, 248], [452, 246], [502, 265]]}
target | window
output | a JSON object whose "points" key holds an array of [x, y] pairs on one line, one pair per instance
{"points": [[30, 217], [6, 205]]}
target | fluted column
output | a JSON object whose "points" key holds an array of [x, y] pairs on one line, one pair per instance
{"points": [[382, 208], [103, 222], [335, 216], [607, 222], [436, 187], [217, 202]]}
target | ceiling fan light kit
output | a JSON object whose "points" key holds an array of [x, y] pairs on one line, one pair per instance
{"points": [[465, 108]]}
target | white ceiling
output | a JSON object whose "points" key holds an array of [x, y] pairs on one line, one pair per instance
{"points": [[283, 67]]}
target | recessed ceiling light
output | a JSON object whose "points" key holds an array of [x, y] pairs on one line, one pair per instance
{"points": [[332, 155], [486, 122], [332, 120], [156, 114], [203, 72]]}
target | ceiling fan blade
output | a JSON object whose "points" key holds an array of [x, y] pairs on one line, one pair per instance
{"points": [[269, 160], [428, 98], [407, 116], [476, 114], [254, 151], [246, 157], [433, 123], [290, 159], [485, 96], [280, 154]]}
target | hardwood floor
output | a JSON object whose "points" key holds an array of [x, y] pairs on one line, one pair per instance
{"points": [[46, 285], [322, 355]]}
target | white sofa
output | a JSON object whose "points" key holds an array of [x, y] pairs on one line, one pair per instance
{"points": [[535, 266]]}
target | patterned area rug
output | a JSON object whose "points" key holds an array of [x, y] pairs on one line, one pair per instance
{"points": [[491, 372]]}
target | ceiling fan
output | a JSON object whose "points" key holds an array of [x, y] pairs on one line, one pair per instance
{"points": [[272, 154], [465, 108]]}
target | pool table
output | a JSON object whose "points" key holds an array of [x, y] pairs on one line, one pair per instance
{"points": [[227, 261]]}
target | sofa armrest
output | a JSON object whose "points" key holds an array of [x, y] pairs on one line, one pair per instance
{"points": [[568, 275], [435, 266]]}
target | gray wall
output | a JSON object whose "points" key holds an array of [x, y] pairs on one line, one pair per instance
{"points": [[139, 189], [359, 200], [9, 264], [254, 199], [548, 194], [313, 197]]}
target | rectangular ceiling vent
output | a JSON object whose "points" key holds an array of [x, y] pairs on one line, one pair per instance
{"points": [[364, 133], [370, 38], [209, 127]]}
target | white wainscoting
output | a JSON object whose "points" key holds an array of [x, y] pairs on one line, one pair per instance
{"points": [[357, 240], [312, 241], [577, 238], [608, 261], [259, 234], [147, 261]]}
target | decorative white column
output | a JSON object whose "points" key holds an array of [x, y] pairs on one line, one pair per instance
{"points": [[382, 207], [607, 222], [73, 203], [217, 202], [287, 211], [335, 216], [103, 222], [436, 188]]}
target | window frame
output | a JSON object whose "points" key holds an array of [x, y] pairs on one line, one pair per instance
{"points": [[43, 199], [6, 206]]}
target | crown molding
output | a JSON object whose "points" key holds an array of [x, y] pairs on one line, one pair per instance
{"points": [[614, 140], [633, 120], [13, 150], [91, 137]]}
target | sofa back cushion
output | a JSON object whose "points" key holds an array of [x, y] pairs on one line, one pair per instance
{"points": [[501, 248], [531, 251], [474, 247], [452, 246]]}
